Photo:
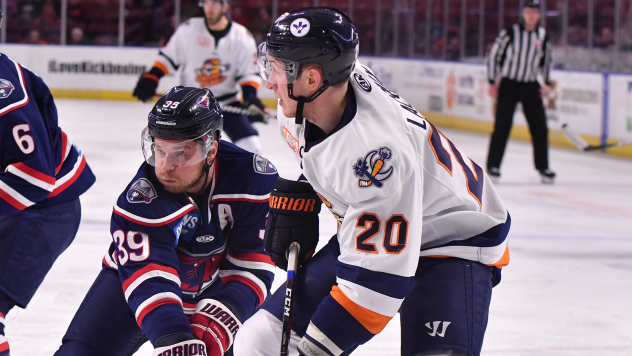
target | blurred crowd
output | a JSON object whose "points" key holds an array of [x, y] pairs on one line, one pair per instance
{"points": [[151, 23]]}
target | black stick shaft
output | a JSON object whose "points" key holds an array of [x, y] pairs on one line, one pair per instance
{"points": [[292, 264]]}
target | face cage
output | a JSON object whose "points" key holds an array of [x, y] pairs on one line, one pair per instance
{"points": [[277, 71], [204, 145]]}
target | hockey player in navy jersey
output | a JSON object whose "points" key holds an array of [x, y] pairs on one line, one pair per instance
{"points": [[42, 176], [187, 264], [421, 230]]}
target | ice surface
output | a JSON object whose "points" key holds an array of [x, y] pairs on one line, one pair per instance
{"points": [[567, 290]]}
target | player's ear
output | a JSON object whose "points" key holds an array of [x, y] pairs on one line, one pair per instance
{"points": [[213, 154], [314, 78]]}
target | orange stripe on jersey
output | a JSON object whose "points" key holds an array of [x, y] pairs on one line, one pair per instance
{"points": [[372, 321], [504, 261], [162, 67], [252, 84]]}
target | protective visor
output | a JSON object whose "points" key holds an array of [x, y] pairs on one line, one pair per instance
{"points": [[276, 70], [176, 154]]}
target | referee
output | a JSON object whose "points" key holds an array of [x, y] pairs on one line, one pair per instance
{"points": [[518, 56]]}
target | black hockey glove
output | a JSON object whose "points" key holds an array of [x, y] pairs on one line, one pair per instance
{"points": [[294, 208], [145, 88], [258, 111]]}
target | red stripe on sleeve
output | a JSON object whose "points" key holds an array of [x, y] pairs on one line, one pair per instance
{"points": [[150, 267], [64, 143], [252, 257], [63, 187], [249, 283], [153, 306], [35, 174], [9, 199]]}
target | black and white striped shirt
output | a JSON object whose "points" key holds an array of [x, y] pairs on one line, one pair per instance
{"points": [[520, 55]]}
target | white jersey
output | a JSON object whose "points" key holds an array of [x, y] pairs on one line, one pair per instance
{"points": [[400, 190], [221, 66]]}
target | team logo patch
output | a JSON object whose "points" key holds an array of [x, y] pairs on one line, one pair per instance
{"points": [[362, 82], [141, 192], [203, 102], [300, 27], [6, 88], [372, 168], [263, 165], [212, 72]]}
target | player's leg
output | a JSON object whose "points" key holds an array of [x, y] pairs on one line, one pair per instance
{"points": [[30, 242], [505, 107], [446, 311], [536, 118], [261, 334], [104, 325], [241, 132]]}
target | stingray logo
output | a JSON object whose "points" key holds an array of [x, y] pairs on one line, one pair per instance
{"points": [[213, 72], [6, 88], [371, 169], [141, 192], [300, 27], [203, 102], [263, 166]]}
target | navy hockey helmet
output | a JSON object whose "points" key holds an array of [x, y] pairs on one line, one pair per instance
{"points": [[321, 35], [183, 115]]}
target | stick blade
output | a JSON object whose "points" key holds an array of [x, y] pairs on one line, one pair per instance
{"points": [[574, 138]]}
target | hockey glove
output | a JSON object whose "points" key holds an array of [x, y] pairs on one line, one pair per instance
{"points": [[294, 208], [186, 347], [146, 87], [258, 111], [215, 325]]}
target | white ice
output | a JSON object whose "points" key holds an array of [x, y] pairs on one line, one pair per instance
{"points": [[567, 290]]}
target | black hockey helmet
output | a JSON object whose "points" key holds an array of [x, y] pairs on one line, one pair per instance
{"points": [[183, 114], [322, 35], [532, 3]]}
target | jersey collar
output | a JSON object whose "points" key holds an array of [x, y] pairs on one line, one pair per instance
{"points": [[314, 135]]}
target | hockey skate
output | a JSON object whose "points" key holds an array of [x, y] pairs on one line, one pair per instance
{"points": [[494, 174], [548, 176]]}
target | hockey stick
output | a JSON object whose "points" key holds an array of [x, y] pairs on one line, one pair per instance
{"points": [[582, 145], [292, 264], [245, 111]]}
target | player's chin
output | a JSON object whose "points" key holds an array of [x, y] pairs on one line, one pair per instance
{"points": [[288, 112]]}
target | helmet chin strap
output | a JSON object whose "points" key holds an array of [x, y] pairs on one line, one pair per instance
{"points": [[302, 100]]}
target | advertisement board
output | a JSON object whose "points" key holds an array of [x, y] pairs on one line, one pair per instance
{"points": [[620, 107]]}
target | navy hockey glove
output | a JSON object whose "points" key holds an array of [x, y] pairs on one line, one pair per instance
{"points": [[294, 208], [146, 87], [258, 111]]}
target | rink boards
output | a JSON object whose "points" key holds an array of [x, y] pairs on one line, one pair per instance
{"points": [[597, 105]]}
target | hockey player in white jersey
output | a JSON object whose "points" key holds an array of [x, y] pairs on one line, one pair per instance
{"points": [[422, 231], [213, 52]]}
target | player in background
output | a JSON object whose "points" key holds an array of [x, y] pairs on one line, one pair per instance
{"points": [[421, 228], [218, 54], [519, 55], [43, 174], [187, 264]]}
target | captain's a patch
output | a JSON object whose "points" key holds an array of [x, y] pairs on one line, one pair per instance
{"points": [[263, 165], [142, 191], [372, 169]]}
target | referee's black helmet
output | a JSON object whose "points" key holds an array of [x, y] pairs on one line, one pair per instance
{"points": [[532, 3]]}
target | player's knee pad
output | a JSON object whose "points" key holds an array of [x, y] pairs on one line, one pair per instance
{"points": [[441, 353], [261, 336]]}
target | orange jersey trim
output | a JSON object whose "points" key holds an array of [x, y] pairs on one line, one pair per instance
{"points": [[504, 261], [372, 321], [252, 84], [162, 67]]}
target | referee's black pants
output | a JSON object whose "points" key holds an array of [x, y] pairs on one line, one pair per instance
{"points": [[510, 93]]}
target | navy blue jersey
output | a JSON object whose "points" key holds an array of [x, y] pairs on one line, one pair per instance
{"points": [[172, 250], [40, 166]]}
